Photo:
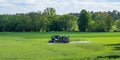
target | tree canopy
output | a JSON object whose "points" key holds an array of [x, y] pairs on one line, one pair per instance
{"points": [[49, 20], [84, 21]]}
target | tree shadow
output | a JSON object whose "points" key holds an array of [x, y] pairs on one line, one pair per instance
{"points": [[115, 46], [109, 57]]}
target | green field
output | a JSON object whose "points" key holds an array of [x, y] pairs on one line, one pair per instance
{"points": [[34, 46]]}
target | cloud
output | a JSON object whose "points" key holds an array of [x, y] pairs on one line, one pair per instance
{"points": [[61, 6]]}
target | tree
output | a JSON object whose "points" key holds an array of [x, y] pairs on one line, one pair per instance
{"points": [[48, 16], [109, 23], [23, 23], [102, 21], [50, 11], [75, 14], [64, 23], [115, 14], [48, 20], [34, 16], [68, 23], [118, 25], [84, 21], [99, 26], [56, 24]]}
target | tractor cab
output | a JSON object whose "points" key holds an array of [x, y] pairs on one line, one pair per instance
{"points": [[59, 39]]}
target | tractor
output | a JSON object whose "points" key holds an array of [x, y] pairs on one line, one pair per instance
{"points": [[59, 39]]}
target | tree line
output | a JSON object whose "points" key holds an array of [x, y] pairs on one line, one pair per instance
{"points": [[48, 20]]}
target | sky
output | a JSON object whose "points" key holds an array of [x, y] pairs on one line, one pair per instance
{"points": [[61, 6]]}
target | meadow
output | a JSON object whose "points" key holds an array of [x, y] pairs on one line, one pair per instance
{"points": [[35, 46]]}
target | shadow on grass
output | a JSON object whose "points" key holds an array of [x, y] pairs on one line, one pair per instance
{"points": [[109, 57], [115, 46]]}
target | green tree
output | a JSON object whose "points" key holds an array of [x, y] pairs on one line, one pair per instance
{"points": [[55, 25], [64, 23], [68, 23], [102, 21], [99, 26], [33, 16], [50, 11], [118, 25], [48, 16], [84, 21], [109, 23], [23, 23]]}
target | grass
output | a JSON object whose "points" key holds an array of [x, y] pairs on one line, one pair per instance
{"points": [[34, 46]]}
